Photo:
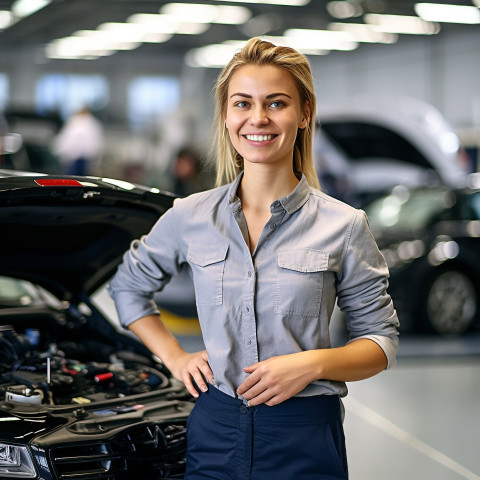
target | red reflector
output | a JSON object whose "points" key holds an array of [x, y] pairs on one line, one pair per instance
{"points": [[58, 182]]}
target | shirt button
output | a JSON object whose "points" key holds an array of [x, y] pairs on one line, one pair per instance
{"points": [[247, 309], [272, 226], [249, 342], [249, 274]]}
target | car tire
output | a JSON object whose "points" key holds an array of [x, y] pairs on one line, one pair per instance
{"points": [[451, 303]]}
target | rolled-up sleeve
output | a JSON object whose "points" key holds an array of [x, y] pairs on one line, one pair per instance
{"points": [[147, 267], [362, 290]]}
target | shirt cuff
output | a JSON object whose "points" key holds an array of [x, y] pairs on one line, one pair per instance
{"points": [[387, 344], [132, 307]]}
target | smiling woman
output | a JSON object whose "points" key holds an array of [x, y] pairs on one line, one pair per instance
{"points": [[269, 255]]}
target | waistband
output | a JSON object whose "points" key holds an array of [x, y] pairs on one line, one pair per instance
{"points": [[313, 409]]}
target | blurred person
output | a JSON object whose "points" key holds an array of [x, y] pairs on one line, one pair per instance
{"points": [[188, 173], [79, 143], [269, 254]]}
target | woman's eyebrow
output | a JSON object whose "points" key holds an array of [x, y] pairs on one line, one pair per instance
{"points": [[271, 95]]}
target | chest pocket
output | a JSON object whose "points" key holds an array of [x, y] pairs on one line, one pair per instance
{"points": [[300, 276], [208, 265]]}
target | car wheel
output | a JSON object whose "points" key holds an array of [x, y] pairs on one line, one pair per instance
{"points": [[451, 303]]}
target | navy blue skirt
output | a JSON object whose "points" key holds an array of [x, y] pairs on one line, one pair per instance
{"points": [[299, 439]]}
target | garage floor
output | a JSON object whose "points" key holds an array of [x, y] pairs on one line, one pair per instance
{"points": [[418, 421]]}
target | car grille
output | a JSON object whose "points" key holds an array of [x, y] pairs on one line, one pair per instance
{"points": [[144, 452]]}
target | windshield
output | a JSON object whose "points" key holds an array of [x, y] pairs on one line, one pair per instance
{"points": [[408, 210], [360, 140], [20, 293]]}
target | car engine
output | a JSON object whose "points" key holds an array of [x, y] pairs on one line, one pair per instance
{"points": [[65, 372]]}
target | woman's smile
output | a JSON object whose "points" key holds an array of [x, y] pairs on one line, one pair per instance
{"points": [[259, 138]]}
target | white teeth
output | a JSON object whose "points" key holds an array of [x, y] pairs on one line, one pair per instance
{"points": [[259, 138]]}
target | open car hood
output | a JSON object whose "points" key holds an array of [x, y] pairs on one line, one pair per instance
{"points": [[68, 234]]}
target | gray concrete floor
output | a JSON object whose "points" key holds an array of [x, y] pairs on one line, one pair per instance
{"points": [[419, 420]]}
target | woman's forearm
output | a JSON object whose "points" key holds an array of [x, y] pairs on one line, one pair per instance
{"points": [[357, 360], [157, 338]]}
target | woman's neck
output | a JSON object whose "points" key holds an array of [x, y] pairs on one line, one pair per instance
{"points": [[261, 185]]}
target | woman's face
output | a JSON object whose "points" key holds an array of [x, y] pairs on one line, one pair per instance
{"points": [[264, 114]]}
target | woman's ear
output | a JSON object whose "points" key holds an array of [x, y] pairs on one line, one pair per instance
{"points": [[305, 120]]}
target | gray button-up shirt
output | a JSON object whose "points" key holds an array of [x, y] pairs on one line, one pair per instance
{"points": [[313, 250]]}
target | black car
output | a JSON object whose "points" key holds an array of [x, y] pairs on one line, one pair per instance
{"points": [[430, 238], [79, 398]]}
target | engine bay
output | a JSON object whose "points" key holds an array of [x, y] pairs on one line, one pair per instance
{"points": [[72, 365]]}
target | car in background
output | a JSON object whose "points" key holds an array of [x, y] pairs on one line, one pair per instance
{"points": [[430, 238], [368, 145], [25, 139], [79, 398]]}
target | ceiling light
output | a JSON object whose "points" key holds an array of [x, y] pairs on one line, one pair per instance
{"points": [[167, 24], [297, 44], [203, 13], [113, 40], [134, 32], [401, 24], [24, 8], [232, 15], [190, 12], [90, 44], [344, 9], [321, 39], [435, 12], [5, 19], [218, 55], [211, 56], [291, 3], [364, 33]]}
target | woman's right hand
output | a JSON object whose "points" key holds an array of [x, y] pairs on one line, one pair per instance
{"points": [[192, 368]]}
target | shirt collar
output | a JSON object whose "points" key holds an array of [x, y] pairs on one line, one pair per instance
{"points": [[291, 203]]}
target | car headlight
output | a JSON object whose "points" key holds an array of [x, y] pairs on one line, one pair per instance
{"points": [[15, 462]]}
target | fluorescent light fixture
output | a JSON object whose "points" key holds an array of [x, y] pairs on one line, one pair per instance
{"points": [[24, 8], [211, 56], [98, 40], [167, 24], [232, 15], [435, 12], [290, 3], [6, 19], [344, 9], [89, 45], [404, 24], [296, 44], [134, 32], [364, 33], [321, 39], [204, 13], [218, 55]]}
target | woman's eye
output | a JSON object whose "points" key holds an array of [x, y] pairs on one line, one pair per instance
{"points": [[241, 104], [277, 104]]}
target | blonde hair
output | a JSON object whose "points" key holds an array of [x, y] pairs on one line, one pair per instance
{"points": [[259, 52]]}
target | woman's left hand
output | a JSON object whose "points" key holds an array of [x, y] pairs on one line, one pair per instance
{"points": [[276, 379]]}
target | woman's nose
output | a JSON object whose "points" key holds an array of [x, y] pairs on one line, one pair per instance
{"points": [[259, 116]]}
